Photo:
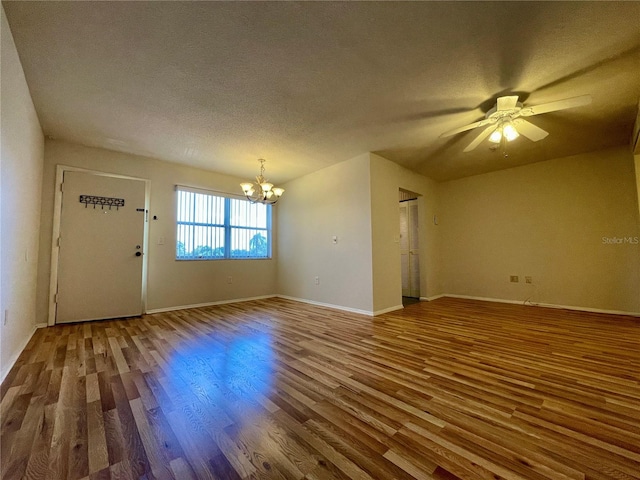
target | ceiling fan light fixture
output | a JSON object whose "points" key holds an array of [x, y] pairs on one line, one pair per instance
{"points": [[510, 133], [507, 113], [496, 135], [505, 130]]}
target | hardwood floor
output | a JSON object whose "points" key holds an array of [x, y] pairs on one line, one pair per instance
{"points": [[278, 389]]}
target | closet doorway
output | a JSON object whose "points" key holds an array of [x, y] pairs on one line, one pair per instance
{"points": [[409, 246]]}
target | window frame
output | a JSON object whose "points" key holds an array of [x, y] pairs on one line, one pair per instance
{"points": [[226, 225]]}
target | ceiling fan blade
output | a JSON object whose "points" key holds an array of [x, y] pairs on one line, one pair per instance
{"points": [[554, 106], [480, 138], [529, 130], [471, 126], [507, 103]]}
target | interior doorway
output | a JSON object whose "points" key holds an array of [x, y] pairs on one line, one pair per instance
{"points": [[409, 246]]}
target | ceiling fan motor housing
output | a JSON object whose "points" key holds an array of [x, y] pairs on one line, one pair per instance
{"points": [[496, 115]]}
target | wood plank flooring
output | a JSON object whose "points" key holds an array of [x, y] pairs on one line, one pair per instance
{"points": [[275, 389]]}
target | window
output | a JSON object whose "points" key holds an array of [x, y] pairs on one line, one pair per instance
{"points": [[212, 227]]}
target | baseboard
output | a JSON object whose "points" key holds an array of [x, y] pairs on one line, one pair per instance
{"points": [[6, 368], [390, 309], [431, 299], [207, 304], [484, 299], [248, 299], [346, 309], [586, 309], [544, 305], [387, 310], [329, 305]]}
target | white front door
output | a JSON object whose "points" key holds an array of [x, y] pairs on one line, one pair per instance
{"points": [[101, 247]]}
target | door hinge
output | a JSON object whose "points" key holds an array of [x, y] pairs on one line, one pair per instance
{"points": [[56, 298], [59, 241], [62, 187]]}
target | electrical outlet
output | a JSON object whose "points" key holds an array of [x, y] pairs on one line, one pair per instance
{"points": [[528, 280], [317, 280], [514, 279], [229, 279], [160, 240]]}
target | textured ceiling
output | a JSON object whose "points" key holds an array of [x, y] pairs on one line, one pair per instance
{"points": [[305, 85]]}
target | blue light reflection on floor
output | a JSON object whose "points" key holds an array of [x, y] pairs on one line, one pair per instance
{"points": [[228, 374]]}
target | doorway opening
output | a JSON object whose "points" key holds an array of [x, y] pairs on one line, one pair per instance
{"points": [[409, 246]]}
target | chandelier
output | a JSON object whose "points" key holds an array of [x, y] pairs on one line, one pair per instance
{"points": [[261, 191]]}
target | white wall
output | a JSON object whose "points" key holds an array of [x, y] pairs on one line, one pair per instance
{"points": [[314, 208], [21, 154], [171, 283], [546, 220], [357, 201], [386, 180]]}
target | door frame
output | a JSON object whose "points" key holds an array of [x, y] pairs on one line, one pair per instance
{"points": [[419, 239], [57, 215], [423, 236]]}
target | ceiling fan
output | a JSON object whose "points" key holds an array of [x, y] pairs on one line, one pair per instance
{"points": [[504, 122]]}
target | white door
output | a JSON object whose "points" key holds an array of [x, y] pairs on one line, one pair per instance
{"points": [[409, 249], [101, 247]]}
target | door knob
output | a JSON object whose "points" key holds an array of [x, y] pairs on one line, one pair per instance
{"points": [[138, 254]]}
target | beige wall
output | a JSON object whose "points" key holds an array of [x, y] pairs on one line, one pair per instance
{"points": [[386, 180], [357, 201], [21, 177], [637, 164], [547, 221], [171, 283], [331, 201]]}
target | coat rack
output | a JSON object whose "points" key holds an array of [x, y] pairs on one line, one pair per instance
{"points": [[102, 201]]}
